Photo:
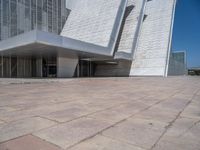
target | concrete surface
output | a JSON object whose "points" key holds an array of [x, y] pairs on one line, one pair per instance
{"points": [[100, 114]]}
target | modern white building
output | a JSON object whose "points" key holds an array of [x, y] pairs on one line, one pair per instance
{"points": [[43, 38]]}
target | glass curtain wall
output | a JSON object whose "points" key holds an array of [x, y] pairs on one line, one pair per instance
{"points": [[19, 16], [17, 67]]}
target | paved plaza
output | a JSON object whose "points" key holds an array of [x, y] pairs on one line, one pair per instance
{"points": [[100, 114]]}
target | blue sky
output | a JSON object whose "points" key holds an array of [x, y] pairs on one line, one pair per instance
{"points": [[186, 34]]}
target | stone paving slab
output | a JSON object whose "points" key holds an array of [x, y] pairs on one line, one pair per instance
{"points": [[28, 142], [158, 114], [22, 127], [101, 113], [140, 132], [183, 135], [177, 144], [192, 111], [1, 122], [68, 114], [185, 126], [126, 110], [68, 134], [100, 142]]}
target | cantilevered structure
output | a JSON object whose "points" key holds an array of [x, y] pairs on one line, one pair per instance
{"points": [[43, 38]]}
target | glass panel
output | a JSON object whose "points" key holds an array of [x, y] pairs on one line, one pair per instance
{"points": [[5, 17], [19, 16], [50, 15], [20, 68], [13, 7], [33, 67], [44, 16], [39, 15], [14, 67], [49, 67], [27, 15], [6, 67], [1, 66], [27, 67], [33, 14], [55, 17]]}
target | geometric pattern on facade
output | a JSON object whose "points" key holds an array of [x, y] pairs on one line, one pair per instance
{"points": [[20, 16], [92, 21]]}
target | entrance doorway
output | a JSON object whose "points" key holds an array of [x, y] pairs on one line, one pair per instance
{"points": [[86, 68], [49, 67]]}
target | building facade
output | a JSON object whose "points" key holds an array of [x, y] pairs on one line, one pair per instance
{"points": [[43, 38], [20, 16]]}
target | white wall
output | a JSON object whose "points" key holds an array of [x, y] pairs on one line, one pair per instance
{"points": [[129, 36], [151, 56], [91, 21]]}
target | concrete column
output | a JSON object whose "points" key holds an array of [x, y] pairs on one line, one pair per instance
{"points": [[66, 67]]}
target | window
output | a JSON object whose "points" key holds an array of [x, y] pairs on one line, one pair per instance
{"points": [[144, 17]]}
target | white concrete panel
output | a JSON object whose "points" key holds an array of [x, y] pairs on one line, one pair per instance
{"points": [[147, 71], [129, 32], [151, 56], [66, 67], [92, 21]]}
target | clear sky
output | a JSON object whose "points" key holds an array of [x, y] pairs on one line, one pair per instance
{"points": [[186, 34]]}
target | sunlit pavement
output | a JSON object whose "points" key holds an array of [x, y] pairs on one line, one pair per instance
{"points": [[100, 114]]}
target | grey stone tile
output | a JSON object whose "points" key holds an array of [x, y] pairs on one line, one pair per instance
{"points": [[68, 134], [120, 112], [68, 114], [192, 111], [174, 104], [111, 116], [22, 127], [104, 143], [140, 132], [177, 144], [158, 114], [1, 122], [28, 142], [185, 126], [109, 100]]}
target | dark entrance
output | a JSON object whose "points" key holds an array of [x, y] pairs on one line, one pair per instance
{"points": [[49, 67], [86, 68]]}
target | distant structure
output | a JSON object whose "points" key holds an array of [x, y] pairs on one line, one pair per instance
{"points": [[194, 71], [178, 63], [43, 38]]}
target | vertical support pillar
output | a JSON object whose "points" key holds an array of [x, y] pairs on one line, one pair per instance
{"points": [[66, 67]]}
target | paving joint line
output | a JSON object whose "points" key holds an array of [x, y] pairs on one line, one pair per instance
{"points": [[173, 121], [47, 141], [119, 122], [123, 141]]}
